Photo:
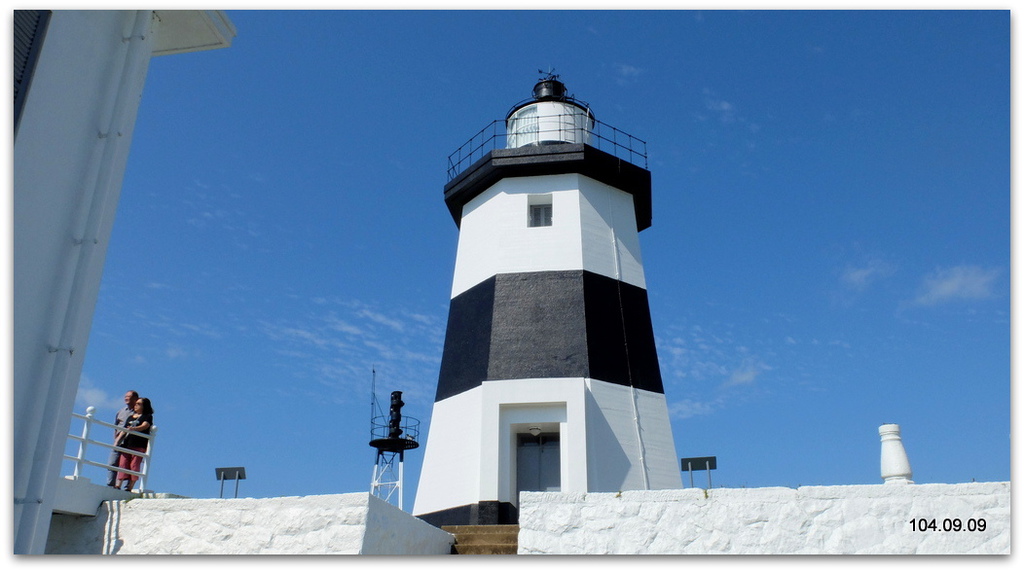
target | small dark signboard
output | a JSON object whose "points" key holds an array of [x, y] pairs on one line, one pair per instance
{"points": [[692, 464]]}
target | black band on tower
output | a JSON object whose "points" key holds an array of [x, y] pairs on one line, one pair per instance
{"points": [[549, 324]]}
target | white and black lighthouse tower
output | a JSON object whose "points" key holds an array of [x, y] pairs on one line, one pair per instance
{"points": [[549, 378]]}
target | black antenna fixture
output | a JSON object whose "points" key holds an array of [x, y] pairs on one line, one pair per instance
{"points": [[395, 415], [550, 74], [548, 87], [391, 435]]}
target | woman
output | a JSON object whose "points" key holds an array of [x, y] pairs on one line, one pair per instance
{"points": [[141, 420]]}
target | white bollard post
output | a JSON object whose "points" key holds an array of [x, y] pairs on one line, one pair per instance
{"points": [[895, 464]]}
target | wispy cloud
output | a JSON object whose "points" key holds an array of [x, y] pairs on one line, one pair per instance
{"points": [[626, 73], [957, 283], [746, 373], [709, 359], [222, 217], [202, 329], [381, 319], [686, 408], [90, 395], [859, 278], [300, 335], [176, 352], [728, 114], [340, 325], [723, 110], [336, 348]]}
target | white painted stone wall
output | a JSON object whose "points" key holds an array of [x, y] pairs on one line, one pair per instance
{"points": [[354, 523], [853, 519]]}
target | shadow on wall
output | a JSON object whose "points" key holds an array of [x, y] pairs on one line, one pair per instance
{"points": [[606, 472], [100, 534]]}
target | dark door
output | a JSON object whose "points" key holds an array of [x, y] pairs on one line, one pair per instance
{"points": [[538, 463]]}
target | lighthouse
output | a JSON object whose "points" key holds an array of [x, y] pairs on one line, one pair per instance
{"points": [[549, 377]]}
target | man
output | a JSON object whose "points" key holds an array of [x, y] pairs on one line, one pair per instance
{"points": [[129, 404]]}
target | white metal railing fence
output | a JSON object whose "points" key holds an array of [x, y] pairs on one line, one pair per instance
{"points": [[85, 441]]}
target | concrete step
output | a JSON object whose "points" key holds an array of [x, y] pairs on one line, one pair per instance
{"points": [[485, 534], [502, 549], [485, 538]]}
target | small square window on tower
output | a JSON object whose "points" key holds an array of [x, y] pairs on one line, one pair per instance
{"points": [[540, 210]]}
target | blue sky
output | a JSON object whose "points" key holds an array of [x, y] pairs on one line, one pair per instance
{"points": [[830, 248]]}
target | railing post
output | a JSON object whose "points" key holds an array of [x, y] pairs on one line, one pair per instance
{"points": [[89, 411], [145, 460]]}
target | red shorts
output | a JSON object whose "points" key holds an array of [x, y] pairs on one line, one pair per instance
{"points": [[130, 462]]}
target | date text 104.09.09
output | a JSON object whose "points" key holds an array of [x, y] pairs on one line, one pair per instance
{"points": [[947, 525]]}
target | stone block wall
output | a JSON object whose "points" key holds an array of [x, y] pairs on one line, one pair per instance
{"points": [[355, 523], [853, 519]]}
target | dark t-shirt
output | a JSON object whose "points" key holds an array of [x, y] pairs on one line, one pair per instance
{"points": [[134, 441]]}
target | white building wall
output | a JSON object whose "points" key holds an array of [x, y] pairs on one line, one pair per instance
{"points": [[630, 441], [69, 158], [70, 153], [853, 519], [611, 242], [470, 454], [515, 405], [494, 237], [450, 474]]}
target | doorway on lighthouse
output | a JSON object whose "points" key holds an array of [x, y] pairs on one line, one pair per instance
{"points": [[538, 462]]}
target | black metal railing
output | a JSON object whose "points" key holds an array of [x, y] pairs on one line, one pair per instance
{"points": [[408, 429], [601, 136]]}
